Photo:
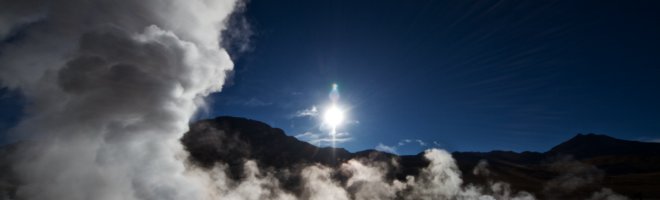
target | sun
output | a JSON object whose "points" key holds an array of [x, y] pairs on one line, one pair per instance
{"points": [[333, 116]]}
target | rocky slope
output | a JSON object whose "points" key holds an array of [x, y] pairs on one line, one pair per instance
{"points": [[573, 169]]}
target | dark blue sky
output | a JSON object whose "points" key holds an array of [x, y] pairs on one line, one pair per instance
{"points": [[469, 75]]}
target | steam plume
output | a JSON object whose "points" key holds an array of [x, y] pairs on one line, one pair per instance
{"points": [[111, 86]]}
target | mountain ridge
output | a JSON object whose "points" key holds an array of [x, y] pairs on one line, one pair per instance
{"points": [[569, 146], [595, 161], [617, 160]]}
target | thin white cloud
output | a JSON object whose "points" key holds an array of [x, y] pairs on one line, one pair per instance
{"points": [[408, 141], [324, 139], [385, 148], [240, 101], [404, 142], [309, 112], [254, 102]]}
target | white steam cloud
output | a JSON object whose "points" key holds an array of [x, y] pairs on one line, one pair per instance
{"points": [[111, 86], [367, 180]]}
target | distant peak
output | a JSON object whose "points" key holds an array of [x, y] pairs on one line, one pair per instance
{"points": [[591, 137], [590, 145], [590, 134]]}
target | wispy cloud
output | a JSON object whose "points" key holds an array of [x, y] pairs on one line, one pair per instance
{"points": [[385, 148], [408, 141], [324, 139], [404, 142], [251, 102], [254, 102], [309, 112]]}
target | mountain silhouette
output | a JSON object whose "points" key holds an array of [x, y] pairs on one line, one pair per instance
{"points": [[574, 169], [594, 145], [629, 167]]}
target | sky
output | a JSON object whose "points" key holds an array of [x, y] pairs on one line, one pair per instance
{"points": [[459, 75]]}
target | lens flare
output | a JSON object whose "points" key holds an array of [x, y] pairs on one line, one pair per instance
{"points": [[333, 116]]}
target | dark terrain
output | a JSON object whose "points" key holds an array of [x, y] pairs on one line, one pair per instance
{"points": [[574, 169], [571, 170]]}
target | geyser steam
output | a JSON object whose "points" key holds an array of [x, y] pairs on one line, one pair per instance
{"points": [[111, 86]]}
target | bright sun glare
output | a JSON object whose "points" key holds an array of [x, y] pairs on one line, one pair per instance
{"points": [[333, 116]]}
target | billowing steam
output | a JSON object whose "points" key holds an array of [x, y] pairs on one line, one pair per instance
{"points": [[367, 180], [111, 86]]}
